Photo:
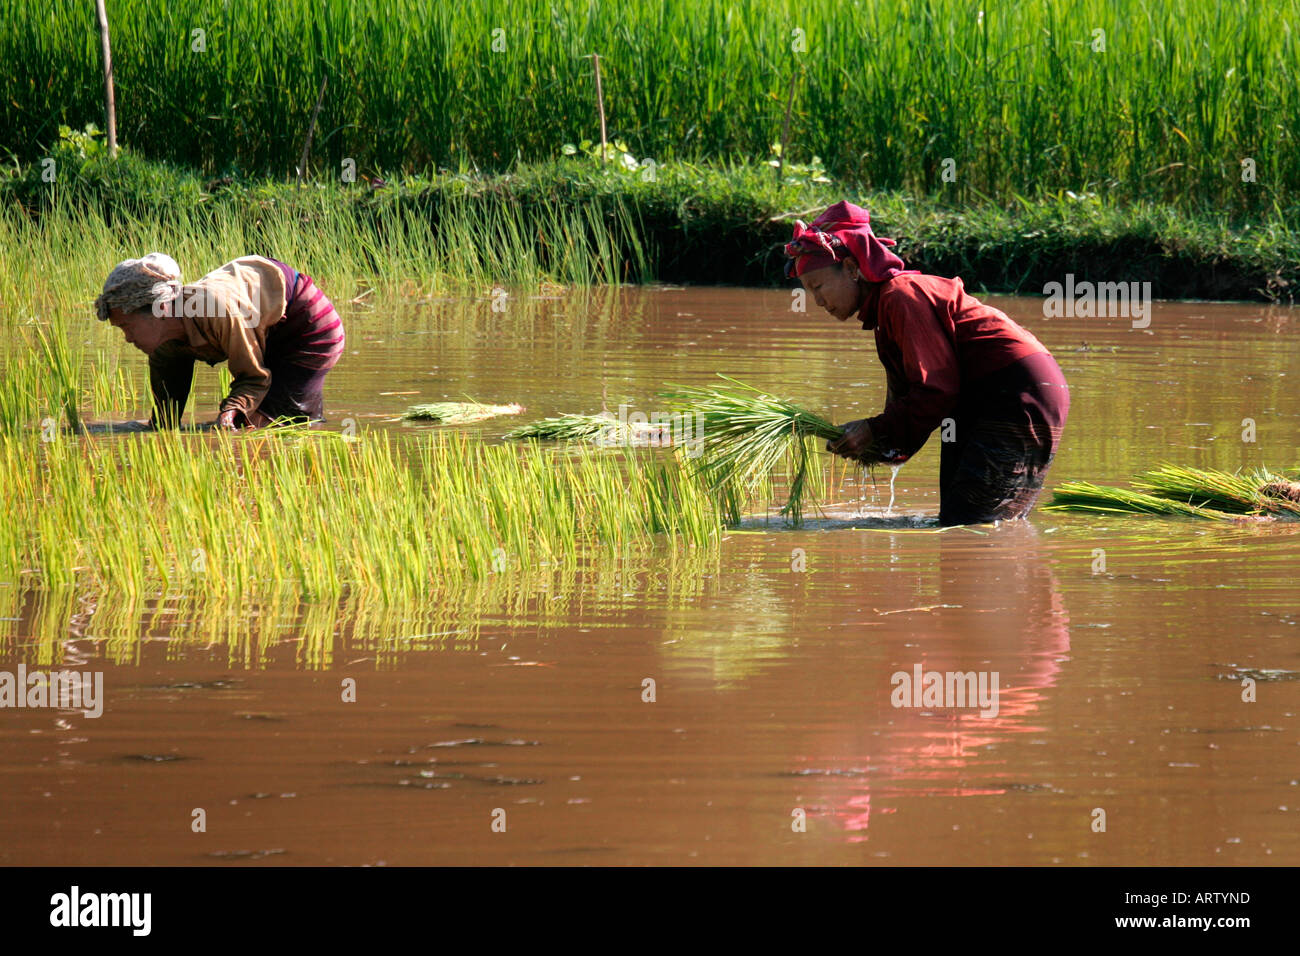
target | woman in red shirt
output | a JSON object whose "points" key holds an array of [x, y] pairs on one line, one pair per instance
{"points": [[951, 362]]}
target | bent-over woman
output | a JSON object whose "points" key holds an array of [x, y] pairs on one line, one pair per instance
{"points": [[277, 331], [951, 363]]}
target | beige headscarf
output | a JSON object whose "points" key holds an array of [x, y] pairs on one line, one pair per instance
{"points": [[136, 284]]}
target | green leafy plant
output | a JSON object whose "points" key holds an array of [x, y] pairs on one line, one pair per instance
{"points": [[86, 143], [798, 174], [617, 155]]}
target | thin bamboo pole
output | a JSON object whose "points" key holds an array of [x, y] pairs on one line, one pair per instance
{"points": [[600, 105], [110, 109], [785, 128], [311, 129]]}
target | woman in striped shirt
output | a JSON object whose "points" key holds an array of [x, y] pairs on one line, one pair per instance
{"points": [[277, 331]]}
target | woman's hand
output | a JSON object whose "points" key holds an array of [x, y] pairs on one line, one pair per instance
{"points": [[856, 443], [226, 419]]}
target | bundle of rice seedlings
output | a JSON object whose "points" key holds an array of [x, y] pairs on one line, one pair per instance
{"points": [[1194, 492], [748, 433], [1083, 496], [1237, 494], [457, 413], [602, 429]]}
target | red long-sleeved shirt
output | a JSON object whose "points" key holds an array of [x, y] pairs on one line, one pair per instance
{"points": [[934, 339]]}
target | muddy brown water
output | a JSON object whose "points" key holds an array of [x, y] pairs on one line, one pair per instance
{"points": [[522, 700]]}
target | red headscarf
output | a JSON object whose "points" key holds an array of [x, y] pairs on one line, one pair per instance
{"points": [[843, 230]]}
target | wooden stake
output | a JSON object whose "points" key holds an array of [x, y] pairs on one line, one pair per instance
{"points": [[311, 128], [785, 129], [109, 108], [600, 105]]}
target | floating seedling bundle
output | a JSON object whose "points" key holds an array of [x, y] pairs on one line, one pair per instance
{"points": [[602, 429], [1189, 492], [458, 413], [748, 434]]}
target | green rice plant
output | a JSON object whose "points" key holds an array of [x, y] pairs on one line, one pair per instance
{"points": [[1083, 496], [1164, 103], [749, 433], [1223, 491], [20, 386], [243, 516], [63, 379], [458, 413], [224, 381], [114, 390]]}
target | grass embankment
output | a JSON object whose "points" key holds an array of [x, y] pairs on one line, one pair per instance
{"points": [[1124, 97], [572, 223]]}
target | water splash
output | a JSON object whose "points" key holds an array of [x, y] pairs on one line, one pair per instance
{"points": [[893, 473]]}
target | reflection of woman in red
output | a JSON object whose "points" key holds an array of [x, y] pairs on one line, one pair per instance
{"points": [[1002, 612]]}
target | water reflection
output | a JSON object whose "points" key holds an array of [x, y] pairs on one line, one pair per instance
{"points": [[998, 611], [66, 627]]}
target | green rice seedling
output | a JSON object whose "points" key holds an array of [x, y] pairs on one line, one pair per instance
{"points": [[223, 381], [749, 433], [114, 390], [458, 413], [1223, 491], [63, 375], [20, 378], [244, 516]]}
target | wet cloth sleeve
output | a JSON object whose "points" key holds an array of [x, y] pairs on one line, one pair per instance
{"points": [[921, 368], [250, 378], [171, 372]]}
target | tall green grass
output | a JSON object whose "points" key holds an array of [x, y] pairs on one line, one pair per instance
{"points": [[55, 263], [1014, 92]]}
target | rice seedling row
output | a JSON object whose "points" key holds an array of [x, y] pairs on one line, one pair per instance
{"points": [[238, 516]]}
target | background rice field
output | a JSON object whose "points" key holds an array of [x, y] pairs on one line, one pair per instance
{"points": [[1134, 98]]}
